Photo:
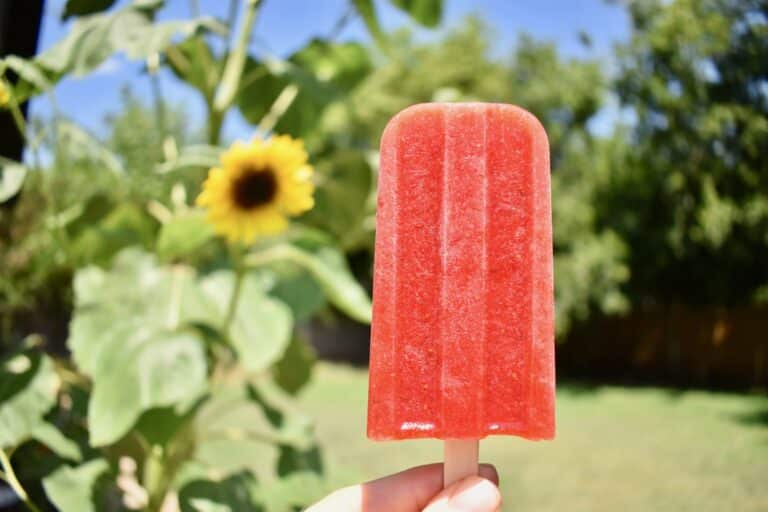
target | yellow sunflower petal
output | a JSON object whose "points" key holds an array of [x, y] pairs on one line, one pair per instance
{"points": [[256, 186]]}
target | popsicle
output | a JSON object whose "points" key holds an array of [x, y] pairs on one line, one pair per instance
{"points": [[462, 340]]}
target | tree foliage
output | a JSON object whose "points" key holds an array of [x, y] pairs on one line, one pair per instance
{"points": [[690, 198]]}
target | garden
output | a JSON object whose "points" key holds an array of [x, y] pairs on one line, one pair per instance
{"points": [[163, 348]]}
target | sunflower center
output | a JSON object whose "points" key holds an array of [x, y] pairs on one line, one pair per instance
{"points": [[254, 188]]}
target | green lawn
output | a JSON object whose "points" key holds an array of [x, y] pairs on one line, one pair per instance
{"points": [[617, 449]]}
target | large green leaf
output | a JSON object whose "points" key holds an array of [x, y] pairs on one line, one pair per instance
{"points": [[134, 299], [130, 30], [28, 387], [426, 12], [183, 234], [329, 268], [11, 179], [323, 72], [261, 326], [162, 370], [343, 65], [93, 38], [78, 488], [193, 61], [84, 7], [128, 335]]}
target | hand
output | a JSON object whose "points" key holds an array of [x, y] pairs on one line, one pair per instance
{"points": [[418, 489]]}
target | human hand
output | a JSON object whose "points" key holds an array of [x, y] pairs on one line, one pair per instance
{"points": [[418, 489]]}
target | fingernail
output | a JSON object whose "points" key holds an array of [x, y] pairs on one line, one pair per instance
{"points": [[475, 494]]}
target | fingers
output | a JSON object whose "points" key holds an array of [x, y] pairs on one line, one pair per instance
{"points": [[472, 494], [409, 491]]}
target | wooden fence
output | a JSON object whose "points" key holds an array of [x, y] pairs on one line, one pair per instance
{"points": [[680, 345]]}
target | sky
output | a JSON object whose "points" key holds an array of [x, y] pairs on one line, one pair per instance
{"points": [[286, 25]]}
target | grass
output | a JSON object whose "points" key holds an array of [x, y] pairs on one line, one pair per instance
{"points": [[617, 449]]}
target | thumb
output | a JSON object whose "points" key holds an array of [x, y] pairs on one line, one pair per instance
{"points": [[472, 494]]}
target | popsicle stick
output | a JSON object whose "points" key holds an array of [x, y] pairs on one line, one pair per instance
{"points": [[459, 460]]}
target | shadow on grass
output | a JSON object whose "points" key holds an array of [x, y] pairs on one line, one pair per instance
{"points": [[578, 387], [758, 418]]}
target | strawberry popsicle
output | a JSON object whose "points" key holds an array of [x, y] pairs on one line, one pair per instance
{"points": [[462, 342]]}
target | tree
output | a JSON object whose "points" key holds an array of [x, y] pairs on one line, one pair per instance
{"points": [[691, 197]]}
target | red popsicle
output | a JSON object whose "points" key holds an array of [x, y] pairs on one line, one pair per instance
{"points": [[462, 342]]}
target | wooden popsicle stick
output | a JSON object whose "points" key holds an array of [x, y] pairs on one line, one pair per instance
{"points": [[459, 460]]}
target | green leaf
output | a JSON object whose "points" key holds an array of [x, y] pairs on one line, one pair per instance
{"points": [[343, 65], [133, 299], [323, 72], [52, 437], [28, 386], [78, 488], [295, 427], [11, 179], [160, 425], [263, 417], [329, 268], [261, 327], [84, 7], [426, 12], [294, 370], [367, 12], [192, 61], [183, 234], [126, 335], [296, 288], [232, 494], [161, 370], [31, 76], [130, 30], [344, 185]]}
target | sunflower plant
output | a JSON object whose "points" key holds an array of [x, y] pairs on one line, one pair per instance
{"points": [[188, 272]]}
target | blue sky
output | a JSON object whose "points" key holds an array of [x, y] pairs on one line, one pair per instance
{"points": [[285, 25]]}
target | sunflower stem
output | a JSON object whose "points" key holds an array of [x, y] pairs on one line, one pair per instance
{"points": [[236, 253], [10, 477], [215, 120], [233, 70]]}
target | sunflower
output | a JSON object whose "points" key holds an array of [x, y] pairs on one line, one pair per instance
{"points": [[257, 187]]}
